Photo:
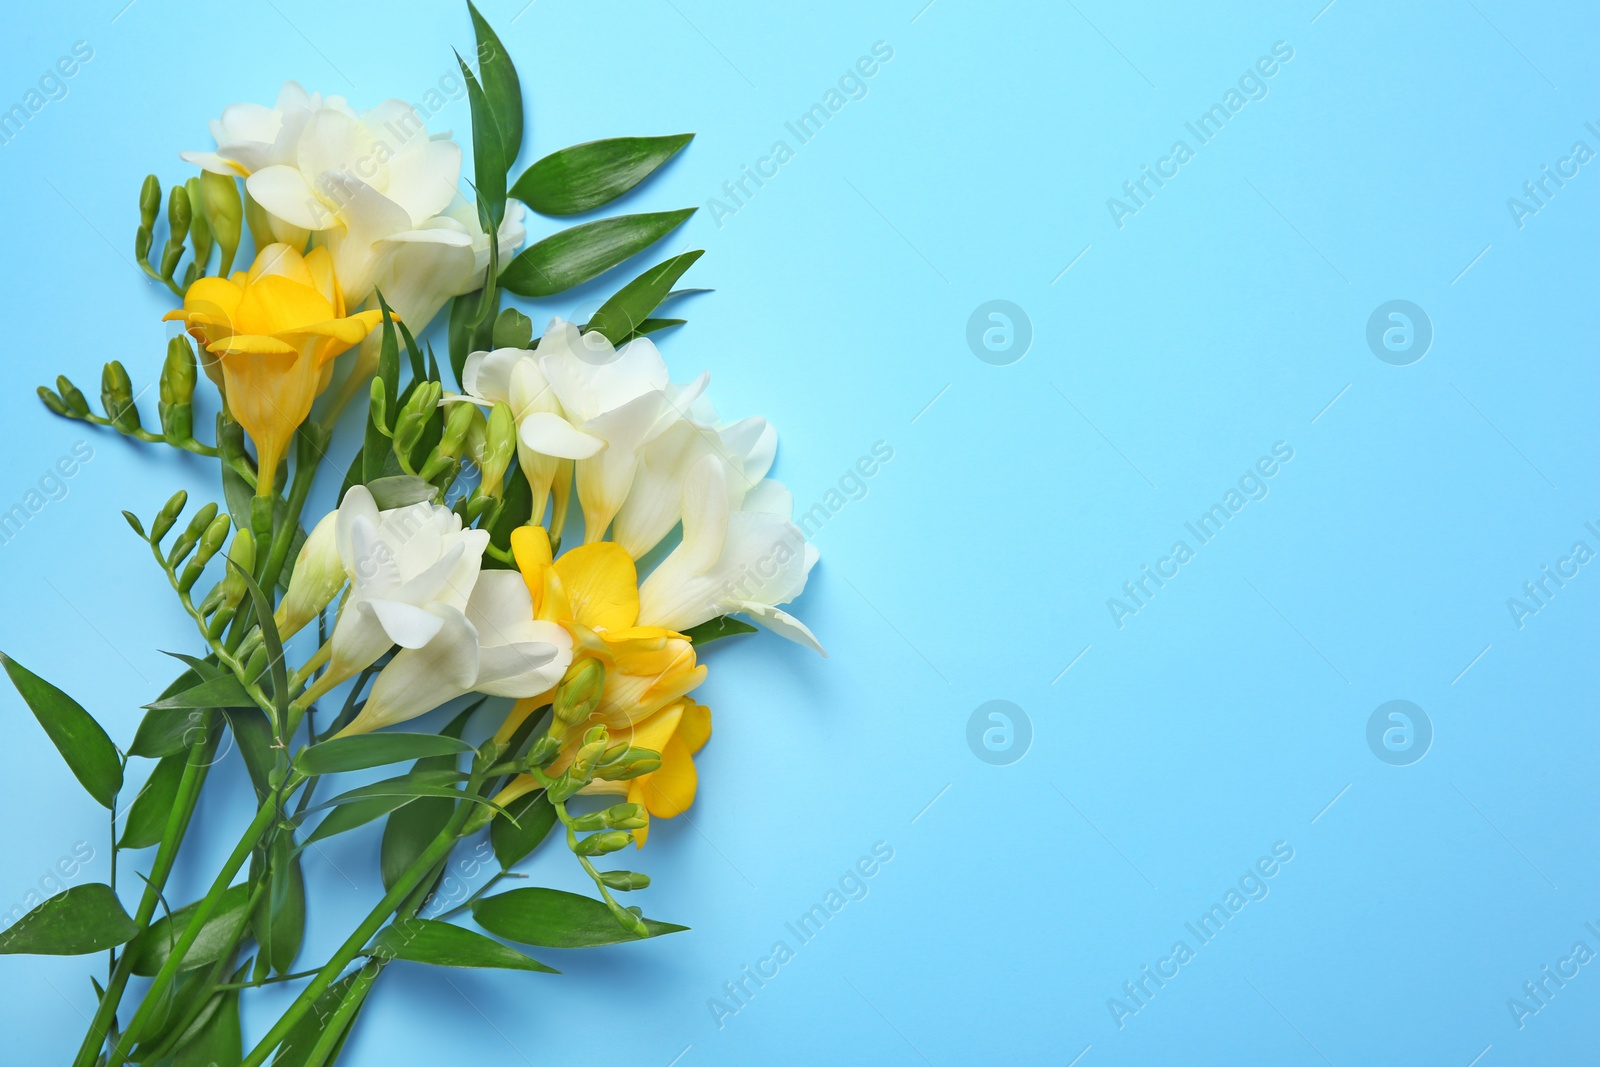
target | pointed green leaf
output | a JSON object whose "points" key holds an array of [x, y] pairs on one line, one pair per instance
{"points": [[513, 329], [716, 629], [89, 753], [374, 750], [288, 927], [356, 813], [216, 936], [586, 176], [214, 1039], [579, 253], [147, 817], [253, 733], [489, 159], [633, 303], [412, 828], [447, 945], [85, 918], [513, 841], [555, 919], [654, 326], [500, 86], [223, 691]]}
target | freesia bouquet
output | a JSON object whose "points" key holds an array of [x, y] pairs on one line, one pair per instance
{"points": [[448, 568]]}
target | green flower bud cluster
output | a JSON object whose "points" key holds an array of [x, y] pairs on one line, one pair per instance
{"points": [[195, 546], [179, 373], [202, 213]]}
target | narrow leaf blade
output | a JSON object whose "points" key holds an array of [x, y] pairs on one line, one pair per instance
{"points": [[81, 741], [447, 945], [579, 253], [85, 918], [633, 303], [555, 919], [586, 176], [374, 750]]}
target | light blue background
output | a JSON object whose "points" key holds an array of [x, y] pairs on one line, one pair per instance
{"points": [[1228, 715]]}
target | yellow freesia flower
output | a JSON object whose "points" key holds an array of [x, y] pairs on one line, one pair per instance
{"points": [[593, 591], [274, 331]]}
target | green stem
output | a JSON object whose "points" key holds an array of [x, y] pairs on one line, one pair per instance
{"points": [[208, 904], [408, 881], [333, 1030], [194, 775], [308, 448]]}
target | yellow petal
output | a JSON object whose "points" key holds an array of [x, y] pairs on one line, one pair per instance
{"points": [[602, 585], [694, 729], [636, 796], [670, 790], [656, 731]]}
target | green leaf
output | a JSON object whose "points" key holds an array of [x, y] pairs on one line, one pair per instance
{"points": [[513, 841], [399, 490], [555, 919], [223, 691], [272, 643], [447, 945], [214, 1039], [147, 818], [458, 336], [716, 629], [375, 445], [633, 303], [166, 732], [357, 813], [500, 86], [85, 918], [374, 750], [288, 926], [513, 329], [216, 936], [302, 1037], [412, 828], [89, 753], [579, 253], [586, 176], [489, 159], [415, 784], [654, 326], [253, 733]]}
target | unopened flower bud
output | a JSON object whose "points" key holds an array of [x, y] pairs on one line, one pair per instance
{"points": [[191, 534], [74, 397], [317, 578], [414, 416], [168, 515], [499, 445], [242, 554], [177, 229], [177, 390], [199, 226], [52, 401], [116, 396], [602, 843], [543, 751], [634, 762], [617, 817], [257, 665], [224, 213], [578, 694], [149, 208], [625, 880], [211, 541], [457, 423]]}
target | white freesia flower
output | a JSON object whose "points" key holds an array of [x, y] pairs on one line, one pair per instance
{"points": [[747, 561], [494, 646], [409, 568], [577, 398], [655, 501]]}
